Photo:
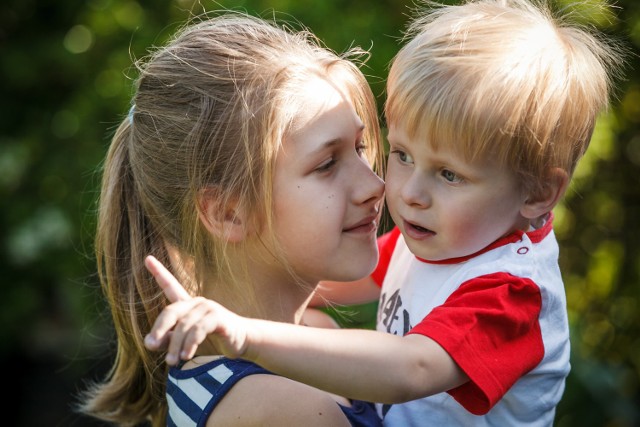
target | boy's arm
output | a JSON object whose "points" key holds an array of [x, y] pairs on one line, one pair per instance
{"points": [[360, 291], [358, 364]]}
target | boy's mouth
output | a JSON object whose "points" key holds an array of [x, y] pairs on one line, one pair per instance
{"points": [[417, 227], [417, 231]]}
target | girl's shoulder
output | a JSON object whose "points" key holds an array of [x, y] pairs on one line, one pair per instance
{"points": [[240, 393], [272, 400]]}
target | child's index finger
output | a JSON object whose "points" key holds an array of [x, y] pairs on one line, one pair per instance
{"points": [[167, 281]]}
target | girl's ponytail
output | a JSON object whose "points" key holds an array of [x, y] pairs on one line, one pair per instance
{"points": [[134, 389]]}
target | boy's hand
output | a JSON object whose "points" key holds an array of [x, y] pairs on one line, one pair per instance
{"points": [[185, 323]]}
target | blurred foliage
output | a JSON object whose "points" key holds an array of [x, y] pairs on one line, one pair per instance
{"points": [[67, 69]]}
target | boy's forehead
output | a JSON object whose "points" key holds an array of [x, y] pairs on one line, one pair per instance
{"points": [[459, 144], [394, 132], [401, 131], [400, 134]]}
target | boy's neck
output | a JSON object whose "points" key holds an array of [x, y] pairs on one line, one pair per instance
{"points": [[537, 223]]}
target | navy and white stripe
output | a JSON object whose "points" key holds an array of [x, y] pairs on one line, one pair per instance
{"points": [[193, 393]]}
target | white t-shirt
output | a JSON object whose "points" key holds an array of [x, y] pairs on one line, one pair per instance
{"points": [[501, 315]]}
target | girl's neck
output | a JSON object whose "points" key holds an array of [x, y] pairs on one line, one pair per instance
{"points": [[267, 291], [280, 300]]}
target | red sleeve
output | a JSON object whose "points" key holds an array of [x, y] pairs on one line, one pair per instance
{"points": [[386, 245], [489, 326]]}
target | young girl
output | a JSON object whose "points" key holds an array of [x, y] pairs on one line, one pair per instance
{"points": [[490, 106], [245, 164]]}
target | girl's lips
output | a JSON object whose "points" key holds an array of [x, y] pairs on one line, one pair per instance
{"points": [[416, 232], [366, 226]]}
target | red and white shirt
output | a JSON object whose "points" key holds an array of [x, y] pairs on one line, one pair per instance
{"points": [[499, 313]]}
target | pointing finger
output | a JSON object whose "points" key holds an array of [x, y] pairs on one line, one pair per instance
{"points": [[167, 281]]}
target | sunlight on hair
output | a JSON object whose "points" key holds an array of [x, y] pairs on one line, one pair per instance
{"points": [[592, 12]]}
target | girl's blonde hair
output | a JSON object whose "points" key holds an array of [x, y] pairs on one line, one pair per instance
{"points": [[209, 114], [505, 79]]}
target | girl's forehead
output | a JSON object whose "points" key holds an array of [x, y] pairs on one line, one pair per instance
{"points": [[314, 97]]}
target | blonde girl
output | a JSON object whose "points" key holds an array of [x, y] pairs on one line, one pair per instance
{"points": [[246, 165]]}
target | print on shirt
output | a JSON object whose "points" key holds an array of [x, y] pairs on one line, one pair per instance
{"points": [[389, 313], [385, 409], [395, 320]]}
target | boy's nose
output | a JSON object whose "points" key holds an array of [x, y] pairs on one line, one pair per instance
{"points": [[415, 192]]}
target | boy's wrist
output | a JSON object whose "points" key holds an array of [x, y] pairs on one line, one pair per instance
{"points": [[252, 333]]}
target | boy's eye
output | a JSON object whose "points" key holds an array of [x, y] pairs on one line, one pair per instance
{"points": [[450, 176], [402, 156]]}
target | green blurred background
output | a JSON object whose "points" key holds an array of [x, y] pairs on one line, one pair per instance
{"points": [[66, 82]]}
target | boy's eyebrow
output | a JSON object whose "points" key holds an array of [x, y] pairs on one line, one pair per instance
{"points": [[392, 139]]}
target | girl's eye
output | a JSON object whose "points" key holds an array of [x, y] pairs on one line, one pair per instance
{"points": [[361, 147], [402, 156], [451, 176], [326, 165]]}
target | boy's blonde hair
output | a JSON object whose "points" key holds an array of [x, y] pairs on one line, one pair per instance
{"points": [[209, 114], [503, 79]]}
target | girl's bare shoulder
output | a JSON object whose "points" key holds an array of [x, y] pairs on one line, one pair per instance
{"points": [[272, 400]]}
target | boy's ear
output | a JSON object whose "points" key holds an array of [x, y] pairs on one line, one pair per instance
{"points": [[544, 200], [222, 218]]}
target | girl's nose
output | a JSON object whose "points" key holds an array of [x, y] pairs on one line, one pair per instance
{"points": [[369, 186]]}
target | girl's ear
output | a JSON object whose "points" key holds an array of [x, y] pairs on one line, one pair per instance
{"points": [[543, 201], [222, 218]]}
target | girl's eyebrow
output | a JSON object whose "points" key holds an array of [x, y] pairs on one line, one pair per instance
{"points": [[335, 141], [326, 145]]}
